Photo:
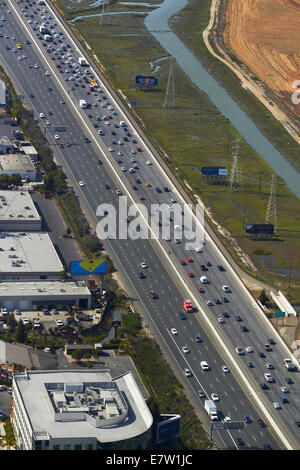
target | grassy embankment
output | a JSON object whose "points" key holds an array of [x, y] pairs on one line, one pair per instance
{"points": [[196, 134]]}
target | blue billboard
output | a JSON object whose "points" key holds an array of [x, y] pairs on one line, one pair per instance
{"points": [[214, 171], [146, 80], [88, 266]]}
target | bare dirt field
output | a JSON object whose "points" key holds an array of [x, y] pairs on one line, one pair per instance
{"points": [[265, 35]]}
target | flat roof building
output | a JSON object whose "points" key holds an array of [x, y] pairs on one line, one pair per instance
{"points": [[33, 295], [18, 212], [17, 163], [28, 255], [6, 145], [79, 410]]}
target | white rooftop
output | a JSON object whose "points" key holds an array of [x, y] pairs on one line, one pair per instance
{"points": [[75, 415], [17, 205], [42, 288], [28, 252], [16, 161]]}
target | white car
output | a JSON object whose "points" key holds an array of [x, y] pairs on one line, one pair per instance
{"points": [[284, 389], [227, 419], [269, 365], [215, 397], [47, 350], [225, 369], [148, 162], [56, 137], [185, 349], [48, 123], [47, 73], [226, 289], [276, 405], [42, 115], [36, 66], [204, 365], [131, 170], [221, 320], [187, 372], [209, 303], [81, 183], [144, 265], [248, 349], [198, 250], [120, 154], [25, 321], [58, 322], [111, 149], [240, 351], [174, 331], [268, 377], [123, 169]]}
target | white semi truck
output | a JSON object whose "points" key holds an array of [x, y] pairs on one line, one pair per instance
{"points": [[211, 410]]}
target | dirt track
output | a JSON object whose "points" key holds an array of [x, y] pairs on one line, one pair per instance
{"points": [[265, 35]]}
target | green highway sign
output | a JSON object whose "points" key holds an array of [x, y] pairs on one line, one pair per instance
{"points": [[279, 314]]}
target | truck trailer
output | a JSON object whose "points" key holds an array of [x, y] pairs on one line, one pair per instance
{"points": [[211, 410]]}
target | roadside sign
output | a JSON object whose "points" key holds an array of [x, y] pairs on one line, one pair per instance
{"points": [[279, 314]]}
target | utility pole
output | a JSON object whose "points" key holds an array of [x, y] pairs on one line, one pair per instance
{"points": [[170, 96], [271, 215], [236, 176], [105, 17]]}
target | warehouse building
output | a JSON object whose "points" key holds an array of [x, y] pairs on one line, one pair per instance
{"points": [[18, 164], [79, 410], [28, 256], [34, 295], [18, 212]]}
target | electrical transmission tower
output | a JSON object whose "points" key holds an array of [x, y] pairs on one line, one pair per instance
{"points": [[271, 215], [236, 175], [170, 96], [105, 17]]}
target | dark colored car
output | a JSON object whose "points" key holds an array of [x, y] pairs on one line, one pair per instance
{"points": [[238, 318], [261, 354], [244, 329], [239, 441], [220, 268], [142, 275], [226, 315], [263, 386], [261, 423], [247, 419], [181, 316]]}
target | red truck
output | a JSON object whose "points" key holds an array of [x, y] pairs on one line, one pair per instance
{"points": [[187, 305]]}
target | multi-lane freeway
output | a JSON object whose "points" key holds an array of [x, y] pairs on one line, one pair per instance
{"points": [[49, 76]]}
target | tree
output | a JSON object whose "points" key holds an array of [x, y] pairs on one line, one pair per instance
{"points": [[11, 322], [77, 355], [263, 298], [21, 332]]}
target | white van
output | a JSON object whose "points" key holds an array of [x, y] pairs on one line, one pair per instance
{"points": [[203, 280]]}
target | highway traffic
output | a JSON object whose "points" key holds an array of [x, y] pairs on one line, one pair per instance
{"points": [[101, 157]]}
